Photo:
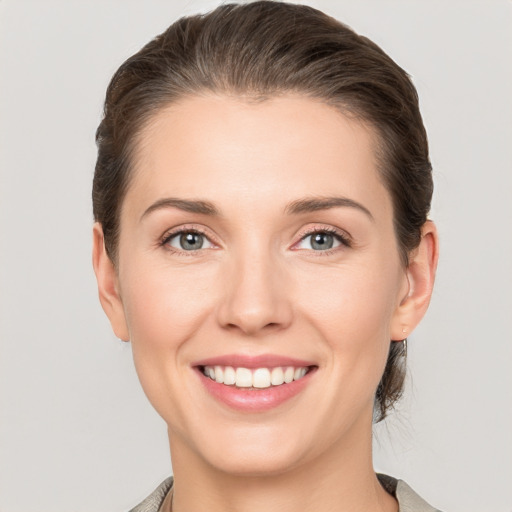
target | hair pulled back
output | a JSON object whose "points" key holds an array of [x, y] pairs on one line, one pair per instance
{"points": [[260, 50]]}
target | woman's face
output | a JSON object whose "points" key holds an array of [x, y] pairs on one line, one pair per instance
{"points": [[257, 237]]}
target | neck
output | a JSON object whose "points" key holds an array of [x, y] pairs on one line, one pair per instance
{"points": [[340, 479]]}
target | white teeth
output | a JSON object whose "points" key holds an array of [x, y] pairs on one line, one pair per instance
{"points": [[258, 378], [277, 377], [229, 375], [261, 378], [243, 378], [289, 374], [219, 374]]}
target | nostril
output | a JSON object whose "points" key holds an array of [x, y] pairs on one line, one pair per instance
{"points": [[252, 326]]}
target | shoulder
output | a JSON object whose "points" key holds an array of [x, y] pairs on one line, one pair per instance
{"points": [[408, 500], [153, 502]]}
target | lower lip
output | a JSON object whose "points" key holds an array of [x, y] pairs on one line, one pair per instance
{"points": [[251, 399]]}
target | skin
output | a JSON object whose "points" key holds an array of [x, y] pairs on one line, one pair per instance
{"points": [[258, 286]]}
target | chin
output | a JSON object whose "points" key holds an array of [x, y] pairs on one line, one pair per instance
{"points": [[256, 463], [252, 452]]}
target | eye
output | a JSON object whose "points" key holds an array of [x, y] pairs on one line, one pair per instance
{"points": [[188, 241], [322, 240]]}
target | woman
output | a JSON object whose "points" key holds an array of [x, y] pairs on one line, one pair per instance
{"points": [[261, 198]]}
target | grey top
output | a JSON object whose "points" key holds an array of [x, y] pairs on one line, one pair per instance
{"points": [[408, 500]]}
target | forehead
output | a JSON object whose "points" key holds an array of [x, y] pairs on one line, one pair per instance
{"points": [[227, 148]]}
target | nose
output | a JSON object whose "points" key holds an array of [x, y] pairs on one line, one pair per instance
{"points": [[256, 297]]}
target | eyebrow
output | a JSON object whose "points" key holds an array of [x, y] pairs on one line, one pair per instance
{"points": [[324, 203], [187, 205], [299, 206]]}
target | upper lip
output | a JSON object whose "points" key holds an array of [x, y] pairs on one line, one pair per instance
{"points": [[259, 361]]}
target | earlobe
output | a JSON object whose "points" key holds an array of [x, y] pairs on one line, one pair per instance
{"points": [[108, 288], [421, 273]]}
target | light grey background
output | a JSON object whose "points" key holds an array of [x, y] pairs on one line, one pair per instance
{"points": [[76, 432]]}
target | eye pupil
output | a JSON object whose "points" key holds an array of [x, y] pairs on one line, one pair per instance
{"points": [[322, 241], [191, 241]]}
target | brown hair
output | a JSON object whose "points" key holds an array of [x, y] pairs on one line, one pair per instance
{"points": [[259, 50]]}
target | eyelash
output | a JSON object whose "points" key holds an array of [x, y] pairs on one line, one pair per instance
{"points": [[180, 231], [340, 236]]}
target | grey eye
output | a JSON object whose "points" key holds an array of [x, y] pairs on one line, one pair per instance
{"points": [[321, 241], [189, 241]]}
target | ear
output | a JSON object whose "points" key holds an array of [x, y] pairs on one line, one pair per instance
{"points": [[420, 275], [108, 284]]}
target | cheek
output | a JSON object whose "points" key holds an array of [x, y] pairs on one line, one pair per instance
{"points": [[352, 309], [165, 308], [360, 299], [163, 304]]}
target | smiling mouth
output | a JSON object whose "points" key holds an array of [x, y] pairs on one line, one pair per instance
{"points": [[257, 378]]}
